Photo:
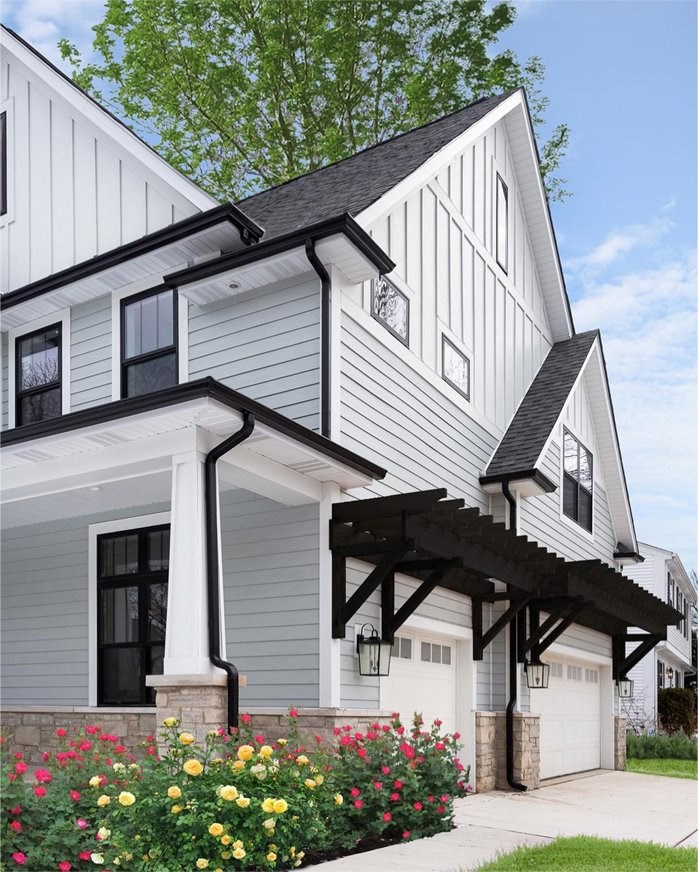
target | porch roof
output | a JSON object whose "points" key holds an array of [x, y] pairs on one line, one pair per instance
{"points": [[428, 529]]}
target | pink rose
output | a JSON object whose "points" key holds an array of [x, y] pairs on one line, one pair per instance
{"points": [[92, 730], [456, 736], [85, 745], [60, 732], [45, 756], [358, 803], [21, 768], [19, 857], [293, 713], [378, 785], [16, 826], [245, 718], [441, 809], [81, 823], [440, 746], [74, 795], [85, 855], [337, 730], [43, 775], [394, 797], [406, 834], [361, 752], [354, 791], [387, 816], [437, 722], [417, 806], [40, 791], [398, 785], [385, 770], [16, 810], [400, 730], [64, 866]]}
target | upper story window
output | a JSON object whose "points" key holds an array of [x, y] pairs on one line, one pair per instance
{"points": [[3, 163], [38, 375], [391, 307], [148, 342], [456, 368], [502, 236], [669, 589], [578, 479]]}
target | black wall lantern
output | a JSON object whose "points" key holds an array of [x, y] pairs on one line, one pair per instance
{"points": [[374, 653], [626, 688], [537, 675]]}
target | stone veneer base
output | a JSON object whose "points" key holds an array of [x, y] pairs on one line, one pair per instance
{"points": [[490, 750]]}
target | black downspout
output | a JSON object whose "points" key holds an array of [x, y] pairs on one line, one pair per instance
{"points": [[212, 565], [326, 286], [513, 665]]}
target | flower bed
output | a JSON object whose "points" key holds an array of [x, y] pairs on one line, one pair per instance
{"points": [[236, 802]]}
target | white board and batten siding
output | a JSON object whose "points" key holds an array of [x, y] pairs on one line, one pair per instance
{"points": [[266, 345], [271, 585], [73, 190]]}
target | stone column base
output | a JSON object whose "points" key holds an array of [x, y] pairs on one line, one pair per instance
{"points": [[199, 701], [491, 750], [485, 751], [619, 748]]}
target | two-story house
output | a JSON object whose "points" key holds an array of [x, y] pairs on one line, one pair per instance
{"points": [[662, 573], [235, 435]]}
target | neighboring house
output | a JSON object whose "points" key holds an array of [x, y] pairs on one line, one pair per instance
{"points": [[669, 664], [411, 434]]}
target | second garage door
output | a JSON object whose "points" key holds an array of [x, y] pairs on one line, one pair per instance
{"points": [[570, 719]]}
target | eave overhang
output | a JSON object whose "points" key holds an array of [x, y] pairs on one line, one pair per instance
{"points": [[200, 236], [339, 241], [528, 482]]}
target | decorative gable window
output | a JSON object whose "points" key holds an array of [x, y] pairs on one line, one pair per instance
{"points": [[391, 307], [38, 375], [456, 368], [148, 342], [578, 479], [502, 237], [3, 163]]}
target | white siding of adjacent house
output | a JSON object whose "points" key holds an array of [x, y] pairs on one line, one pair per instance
{"points": [[265, 345], [72, 191]]}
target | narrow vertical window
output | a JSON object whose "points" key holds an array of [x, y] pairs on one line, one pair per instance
{"points": [[456, 368], [577, 482], [3, 163], [38, 376], [502, 209], [148, 343]]}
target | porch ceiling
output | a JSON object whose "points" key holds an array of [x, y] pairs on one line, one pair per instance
{"points": [[427, 527]]}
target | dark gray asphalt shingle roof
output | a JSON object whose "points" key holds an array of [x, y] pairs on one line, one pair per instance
{"points": [[352, 184], [530, 427]]}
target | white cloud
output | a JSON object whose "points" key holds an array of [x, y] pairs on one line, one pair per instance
{"points": [[620, 242]]}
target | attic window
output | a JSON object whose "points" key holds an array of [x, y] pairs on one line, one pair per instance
{"points": [[3, 163], [391, 307], [577, 485], [502, 242]]}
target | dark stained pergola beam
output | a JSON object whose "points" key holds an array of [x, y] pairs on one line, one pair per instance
{"points": [[557, 614], [518, 601], [367, 549], [369, 585], [381, 507]]}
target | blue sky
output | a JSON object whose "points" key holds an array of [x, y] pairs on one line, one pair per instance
{"points": [[622, 74]]}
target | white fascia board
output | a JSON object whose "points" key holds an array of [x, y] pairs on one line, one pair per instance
{"points": [[102, 120]]}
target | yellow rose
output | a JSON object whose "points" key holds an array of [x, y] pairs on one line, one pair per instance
{"points": [[268, 806], [239, 853], [338, 799], [176, 809], [266, 751], [186, 739], [280, 806], [239, 764], [282, 742], [226, 855], [271, 856], [228, 792], [226, 840], [269, 824], [309, 783], [202, 863], [245, 752], [95, 781], [300, 855], [97, 858], [302, 760], [319, 779], [174, 792], [242, 801], [193, 767], [103, 833], [171, 722], [216, 829], [126, 798], [238, 843], [103, 800]]}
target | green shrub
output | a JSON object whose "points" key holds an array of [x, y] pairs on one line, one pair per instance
{"points": [[676, 707], [676, 747]]}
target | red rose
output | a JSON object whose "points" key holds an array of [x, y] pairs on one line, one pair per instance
{"points": [[394, 797], [378, 785], [40, 791], [355, 791], [92, 730], [406, 834], [21, 768], [85, 855], [293, 713], [361, 752], [387, 816], [398, 785], [60, 732], [441, 809], [385, 770], [43, 775], [74, 795], [16, 810], [19, 857], [16, 826], [64, 866], [417, 806], [358, 803], [245, 718]]}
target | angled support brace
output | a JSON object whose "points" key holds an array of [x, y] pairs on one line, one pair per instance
{"points": [[572, 613], [482, 640], [416, 599], [622, 663]]}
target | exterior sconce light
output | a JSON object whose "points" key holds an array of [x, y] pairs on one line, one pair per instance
{"points": [[626, 688], [537, 675], [374, 653]]}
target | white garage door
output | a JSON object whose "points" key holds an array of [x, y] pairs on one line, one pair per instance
{"points": [[570, 719], [423, 679]]}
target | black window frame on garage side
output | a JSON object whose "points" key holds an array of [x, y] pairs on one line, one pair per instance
{"points": [[38, 396], [141, 568], [577, 498], [133, 358]]}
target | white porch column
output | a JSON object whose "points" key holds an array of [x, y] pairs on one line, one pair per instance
{"points": [[186, 636], [330, 671]]}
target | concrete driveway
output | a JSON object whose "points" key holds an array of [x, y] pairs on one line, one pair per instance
{"points": [[613, 805]]}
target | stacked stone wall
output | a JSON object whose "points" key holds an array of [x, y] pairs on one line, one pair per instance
{"points": [[619, 747]]}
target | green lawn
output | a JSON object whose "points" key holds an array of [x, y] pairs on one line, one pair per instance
{"points": [[586, 854], [660, 766]]}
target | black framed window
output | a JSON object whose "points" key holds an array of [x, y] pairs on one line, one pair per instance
{"points": [[577, 486], [38, 375], [455, 367], [660, 675], [3, 163], [391, 307], [148, 342], [502, 228], [132, 575]]}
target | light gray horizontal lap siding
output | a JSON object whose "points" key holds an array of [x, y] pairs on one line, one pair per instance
{"points": [[271, 583], [265, 345], [395, 417], [90, 354], [491, 671], [44, 617]]}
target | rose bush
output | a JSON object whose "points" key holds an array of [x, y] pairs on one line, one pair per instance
{"points": [[237, 801]]}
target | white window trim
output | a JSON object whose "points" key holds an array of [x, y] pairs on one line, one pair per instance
{"points": [[570, 522], [182, 331], [63, 318], [95, 530], [8, 106]]}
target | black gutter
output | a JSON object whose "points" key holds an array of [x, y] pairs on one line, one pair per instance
{"points": [[325, 328], [344, 224], [513, 664], [534, 475], [249, 232], [200, 389], [212, 523]]}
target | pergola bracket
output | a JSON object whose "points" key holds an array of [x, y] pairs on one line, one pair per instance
{"points": [[622, 662], [517, 601]]}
